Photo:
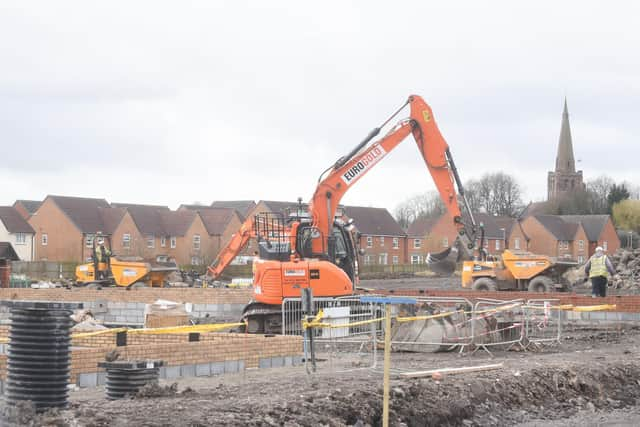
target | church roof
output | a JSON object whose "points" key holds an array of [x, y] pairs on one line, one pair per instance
{"points": [[565, 161]]}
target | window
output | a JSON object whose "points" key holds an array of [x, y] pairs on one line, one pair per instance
{"points": [[416, 259], [172, 242], [417, 243], [604, 245], [88, 240], [580, 259], [196, 241], [497, 245], [445, 242], [21, 238], [368, 259], [563, 244], [45, 240], [126, 240], [195, 260], [396, 259], [381, 241], [396, 243], [163, 241], [516, 243], [382, 259], [581, 245], [369, 241], [151, 241]]}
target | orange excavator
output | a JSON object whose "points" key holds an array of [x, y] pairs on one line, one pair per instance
{"points": [[315, 247]]}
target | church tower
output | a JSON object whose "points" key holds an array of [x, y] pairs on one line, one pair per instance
{"points": [[564, 180]]}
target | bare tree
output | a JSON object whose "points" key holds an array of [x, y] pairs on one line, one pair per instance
{"points": [[427, 205], [495, 193], [598, 190]]}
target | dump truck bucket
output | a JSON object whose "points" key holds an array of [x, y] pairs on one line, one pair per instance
{"points": [[443, 263]]}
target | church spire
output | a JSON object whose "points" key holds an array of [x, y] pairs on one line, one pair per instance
{"points": [[564, 160]]}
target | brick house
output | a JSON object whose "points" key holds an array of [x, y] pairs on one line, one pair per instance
{"points": [[65, 227], [221, 224], [16, 231], [551, 235], [500, 233], [570, 236], [27, 207], [382, 238], [600, 231], [417, 234]]}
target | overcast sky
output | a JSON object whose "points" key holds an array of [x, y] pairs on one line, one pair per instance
{"points": [[177, 102]]}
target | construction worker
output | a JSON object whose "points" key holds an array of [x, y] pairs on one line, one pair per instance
{"points": [[598, 269]]}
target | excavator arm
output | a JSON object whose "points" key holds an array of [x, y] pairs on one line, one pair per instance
{"points": [[237, 243], [437, 156]]}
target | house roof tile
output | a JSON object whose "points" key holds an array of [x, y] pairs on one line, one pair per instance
{"points": [[30, 205], [592, 224], [216, 219], [374, 221], [421, 226], [177, 223], [83, 212], [13, 221], [243, 207], [561, 230]]}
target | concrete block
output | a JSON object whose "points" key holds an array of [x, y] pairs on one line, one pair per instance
{"points": [[277, 362], [131, 306], [241, 365], [629, 317], [172, 372], [88, 380], [102, 378], [573, 315], [264, 363], [203, 370], [288, 361], [115, 312], [188, 370], [226, 308], [121, 319], [585, 316], [199, 307], [297, 360], [134, 319], [111, 305], [140, 306], [217, 368], [99, 306], [1, 387], [212, 308], [162, 372], [230, 366], [109, 318], [597, 315], [613, 316]]}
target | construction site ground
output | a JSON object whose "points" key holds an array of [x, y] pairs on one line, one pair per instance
{"points": [[591, 378]]}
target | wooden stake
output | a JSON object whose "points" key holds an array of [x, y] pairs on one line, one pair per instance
{"points": [[450, 371], [387, 365]]}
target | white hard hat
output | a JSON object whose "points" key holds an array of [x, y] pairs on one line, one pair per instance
{"points": [[599, 249]]}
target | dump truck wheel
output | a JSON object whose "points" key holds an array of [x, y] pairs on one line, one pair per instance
{"points": [[541, 284], [484, 284]]}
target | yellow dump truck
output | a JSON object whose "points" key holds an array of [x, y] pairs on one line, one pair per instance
{"points": [[516, 270], [106, 269]]}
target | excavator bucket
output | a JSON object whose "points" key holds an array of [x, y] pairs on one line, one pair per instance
{"points": [[426, 335], [443, 263]]}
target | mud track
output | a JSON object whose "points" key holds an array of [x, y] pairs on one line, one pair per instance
{"points": [[593, 375]]}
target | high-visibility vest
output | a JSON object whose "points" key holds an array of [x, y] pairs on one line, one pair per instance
{"points": [[599, 267]]}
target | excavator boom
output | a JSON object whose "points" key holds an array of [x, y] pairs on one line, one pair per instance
{"points": [[437, 157]]}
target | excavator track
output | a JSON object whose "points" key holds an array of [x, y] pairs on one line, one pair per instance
{"points": [[262, 318]]}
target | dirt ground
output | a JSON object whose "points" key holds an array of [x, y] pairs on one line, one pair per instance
{"points": [[591, 378]]}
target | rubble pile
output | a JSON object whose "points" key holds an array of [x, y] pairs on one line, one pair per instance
{"points": [[627, 265]]}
